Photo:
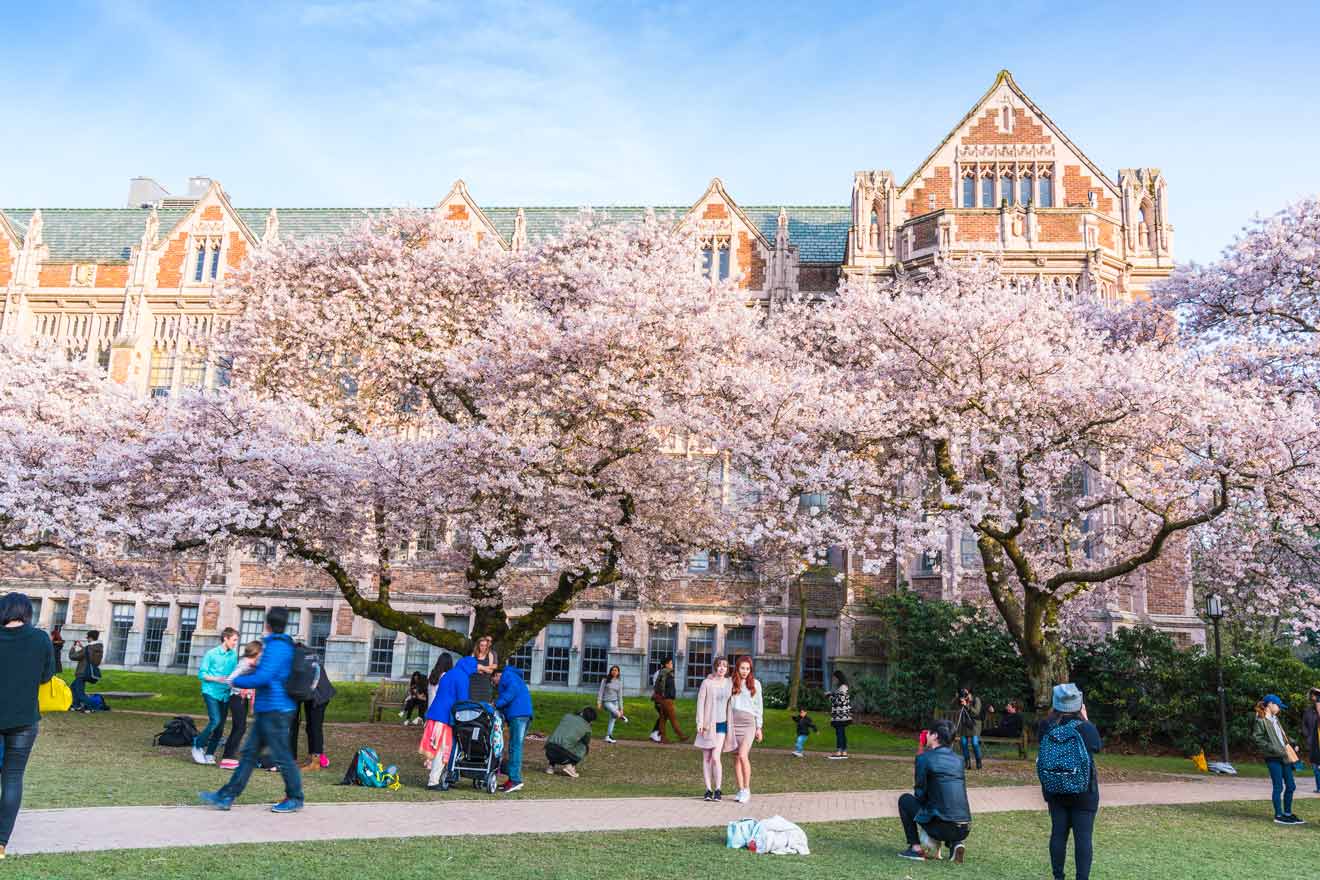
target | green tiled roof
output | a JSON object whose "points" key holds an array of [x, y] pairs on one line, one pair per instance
{"points": [[108, 234]]}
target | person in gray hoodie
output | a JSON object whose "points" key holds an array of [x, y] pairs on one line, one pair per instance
{"points": [[610, 698]]}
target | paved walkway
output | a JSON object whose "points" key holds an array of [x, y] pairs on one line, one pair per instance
{"points": [[102, 828]]}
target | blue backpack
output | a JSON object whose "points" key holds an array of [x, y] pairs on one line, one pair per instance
{"points": [[367, 770], [1063, 764]]}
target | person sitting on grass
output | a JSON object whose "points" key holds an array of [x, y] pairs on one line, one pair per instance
{"points": [[804, 728], [567, 747], [1010, 726], [937, 812]]}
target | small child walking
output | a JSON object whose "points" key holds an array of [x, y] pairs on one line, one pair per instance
{"points": [[805, 726]]}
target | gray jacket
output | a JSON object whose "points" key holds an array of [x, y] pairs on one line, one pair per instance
{"points": [[611, 691]]}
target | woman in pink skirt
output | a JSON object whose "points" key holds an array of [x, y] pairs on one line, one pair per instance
{"points": [[712, 726], [746, 713]]}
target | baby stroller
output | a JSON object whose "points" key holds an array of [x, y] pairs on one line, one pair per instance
{"points": [[478, 746]]}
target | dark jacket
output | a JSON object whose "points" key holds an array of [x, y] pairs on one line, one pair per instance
{"points": [[270, 675], [93, 653], [840, 706], [324, 691], [967, 719], [1309, 738], [1087, 800], [513, 699], [664, 685], [941, 787], [1010, 725], [805, 725], [27, 661]]}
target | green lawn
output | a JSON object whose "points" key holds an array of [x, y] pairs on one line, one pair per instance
{"points": [[1201, 842], [182, 694], [107, 759]]}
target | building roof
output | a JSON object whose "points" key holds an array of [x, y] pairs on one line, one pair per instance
{"points": [[108, 234]]}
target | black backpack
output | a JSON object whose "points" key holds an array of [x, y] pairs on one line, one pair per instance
{"points": [[179, 731], [303, 675]]}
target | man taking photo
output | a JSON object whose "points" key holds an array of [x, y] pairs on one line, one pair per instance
{"points": [[936, 814]]}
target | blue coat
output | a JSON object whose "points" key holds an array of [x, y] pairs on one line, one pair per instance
{"points": [[514, 699], [453, 688], [270, 675]]}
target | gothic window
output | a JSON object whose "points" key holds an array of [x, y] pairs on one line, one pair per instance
{"points": [[1024, 190], [969, 192], [162, 374], [1046, 192], [205, 247], [715, 257], [194, 370], [201, 260], [987, 191], [1006, 188], [215, 259]]}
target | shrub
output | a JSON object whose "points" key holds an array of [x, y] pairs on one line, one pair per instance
{"points": [[810, 698]]}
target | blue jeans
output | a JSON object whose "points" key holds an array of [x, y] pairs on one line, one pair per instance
{"points": [[1315, 769], [209, 739], [800, 742], [614, 710], [79, 693], [270, 731], [18, 743], [1281, 775], [517, 729], [976, 747]]}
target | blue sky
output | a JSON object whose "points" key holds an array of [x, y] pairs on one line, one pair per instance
{"points": [[365, 103]]}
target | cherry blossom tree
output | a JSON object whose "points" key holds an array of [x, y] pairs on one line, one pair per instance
{"points": [[401, 379], [1258, 307], [967, 403]]}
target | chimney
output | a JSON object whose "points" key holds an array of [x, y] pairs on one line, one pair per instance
{"points": [[197, 187], [143, 192]]}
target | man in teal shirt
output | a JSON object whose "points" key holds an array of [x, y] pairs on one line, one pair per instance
{"points": [[216, 667]]}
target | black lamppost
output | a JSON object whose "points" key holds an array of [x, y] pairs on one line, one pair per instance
{"points": [[1214, 609]]}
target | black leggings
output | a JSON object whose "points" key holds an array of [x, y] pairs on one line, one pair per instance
{"points": [[938, 829], [840, 735], [1081, 823], [18, 742], [238, 713], [414, 704], [315, 728]]}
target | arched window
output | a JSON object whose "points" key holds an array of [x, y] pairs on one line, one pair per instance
{"points": [[1024, 190], [987, 192], [1006, 189], [969, 191], [1046, 191]]}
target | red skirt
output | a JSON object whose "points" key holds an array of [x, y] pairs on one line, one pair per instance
{"points": [[437, 740]]}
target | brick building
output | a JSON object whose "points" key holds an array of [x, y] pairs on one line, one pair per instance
{"points": [[130, 289]]}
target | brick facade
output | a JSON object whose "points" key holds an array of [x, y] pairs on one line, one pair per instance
{"points": [[137, 261]]}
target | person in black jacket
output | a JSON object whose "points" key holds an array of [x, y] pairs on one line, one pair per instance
{"points": [[27, 661], [1072, 812], [1010, 726], [314, 711], [664, 694], [937, 812], [1311, 734]]}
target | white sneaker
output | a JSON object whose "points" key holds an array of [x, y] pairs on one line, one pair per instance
{"points": [[570, 770], [550, 770], [210, 759], [198, 756], [655, 736], [623, 719], [417, 720], [610, 739], [742, 796], [402, 714], [797, 754]]}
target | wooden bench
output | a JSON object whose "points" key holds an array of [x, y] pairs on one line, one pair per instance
{"points": [[388, 695], [1020, 741]]}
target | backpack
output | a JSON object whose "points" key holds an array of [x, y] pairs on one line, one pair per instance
{"points": [[1063, 763], [179, 731], [97, 703], [366, 770], [304, 673]]}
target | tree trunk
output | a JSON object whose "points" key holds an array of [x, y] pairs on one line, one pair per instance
{"points": [[795, 677]]}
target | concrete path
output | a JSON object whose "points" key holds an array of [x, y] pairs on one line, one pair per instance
{"points": [[103, 828]]}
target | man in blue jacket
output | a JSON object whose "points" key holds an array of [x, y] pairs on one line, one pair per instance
{"points": [[514, 701], [270, 730], [454, 687], [937, 812]]}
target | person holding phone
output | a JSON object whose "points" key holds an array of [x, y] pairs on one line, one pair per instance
{"points": [[89, 656]]}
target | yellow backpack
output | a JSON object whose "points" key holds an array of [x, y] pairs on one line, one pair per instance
{"points": [[54, 696]]}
